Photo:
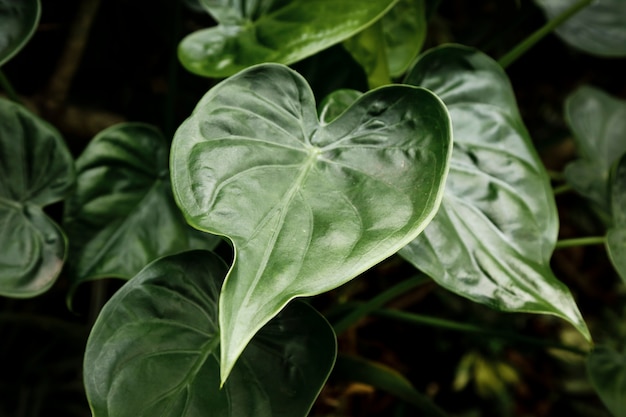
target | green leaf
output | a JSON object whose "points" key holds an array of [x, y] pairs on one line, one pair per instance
{"points": [[494, 234], [123, 215], [308, 205], [36, 169], [336, 103], [154, 350], [284, 31], [352, 368], [607, 372], [18, 21], [616, 236], [598, 29], [598, 122], [390, 46]]}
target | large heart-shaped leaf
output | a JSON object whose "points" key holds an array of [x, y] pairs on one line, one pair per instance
{"points": [[598, 29], [36, 169], [282, 31], [154, 350], [497, 226], [607, 371], [598, 122], [123, 215], [616, 236], [390, 46], [308, 205], [18, 20]]}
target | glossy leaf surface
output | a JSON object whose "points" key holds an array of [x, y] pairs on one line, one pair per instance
{"points": [[18, 20], [308, 205], [494, 234], [123, 215], [616, 236], [36, 169], [285, 31], [387, 49], [607, 371], [598, 29], [336, 103], [154, 350], [598, 122]]}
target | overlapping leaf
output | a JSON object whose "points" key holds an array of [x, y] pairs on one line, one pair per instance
{"points": [[18, 20], [598, 29], [598, 122], [616, 236], [607, 371], [308, 205], [36, 169], [283, 31], [154, 350], [494, 234], [123, 215]]}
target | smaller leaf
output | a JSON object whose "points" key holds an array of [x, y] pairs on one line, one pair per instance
{"points": [[336, 103], [598, 29], [18, 20], [154, 350], [607, 371], [36, 169], [123, 215], [598, 122], [616, 236]]}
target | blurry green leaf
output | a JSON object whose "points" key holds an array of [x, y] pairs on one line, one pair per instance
{"points": [[378, 375], [388, 48], [36, 169], [336, 103], [154, 350], [598, 29], [616, 236], [493, 236], [598, 122], [309, 206], [282, 31], [123, 215], [607, 371], [18, 21]]}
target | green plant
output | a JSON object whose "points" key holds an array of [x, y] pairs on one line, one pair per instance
{"points": [[275, 193]]}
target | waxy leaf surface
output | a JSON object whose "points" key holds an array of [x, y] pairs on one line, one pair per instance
{"points": [[154, 350], [285, 31], [493, 237], [616, 236], [598, 122], [123, 215], [307, 205], [36, 169], [18, 20], [607, 372], [598, 29]]}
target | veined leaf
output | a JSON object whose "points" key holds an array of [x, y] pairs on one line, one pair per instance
{"points": [[123, 215], [18, 21], [154, 350], [494, 234], [308, 205], [284, 31], [336, 103], [598, 122], [607, 372], [598, 29], [36, 169], [616, 236]]}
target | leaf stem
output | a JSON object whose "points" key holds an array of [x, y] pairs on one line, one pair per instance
{"points": [[562, 189], [6, 86], [580, 241], [377, 302], [468, 328], [546, 29]]}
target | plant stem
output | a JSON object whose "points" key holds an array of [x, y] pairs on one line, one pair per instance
{"points": [[581, 241], [6, 86], [562, 189], [555, 175], [377, 302], [530, 41], [468, 328]]}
